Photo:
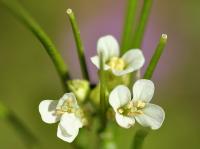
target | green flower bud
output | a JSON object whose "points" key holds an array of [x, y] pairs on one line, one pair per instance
{"points": [[80, 88]]}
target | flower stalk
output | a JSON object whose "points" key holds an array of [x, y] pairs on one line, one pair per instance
{"points": [[156, 56], [23, 16], [29, 139], [128, 25], [142, 133], [140, 29], [102, 94], [79, 43], [139, 138]]}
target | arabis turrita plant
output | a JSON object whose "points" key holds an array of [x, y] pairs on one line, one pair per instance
{"points": [[118, 96]]}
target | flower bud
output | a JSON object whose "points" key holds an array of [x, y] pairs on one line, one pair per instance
{"points": [[80, 88]]}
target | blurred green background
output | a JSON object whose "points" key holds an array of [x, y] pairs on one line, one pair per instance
{"points": [[27, 75]]}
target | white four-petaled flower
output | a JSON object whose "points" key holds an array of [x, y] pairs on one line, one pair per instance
{"points": [[138, 108], [65, 110], [109, 47]]}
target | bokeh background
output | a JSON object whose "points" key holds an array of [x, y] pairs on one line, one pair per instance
{"points": [[27, 75]]}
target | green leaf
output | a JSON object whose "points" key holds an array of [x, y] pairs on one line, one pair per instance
{"points": [[79, 44], [128, 25], [156, 56]]}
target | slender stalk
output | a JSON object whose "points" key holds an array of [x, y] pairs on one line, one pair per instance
{"points": [[142, 133], [139, 138], [128, 25], [26, 135], [22, 15], [79, 44], [140, 29], [156, 56], [102, 94]]}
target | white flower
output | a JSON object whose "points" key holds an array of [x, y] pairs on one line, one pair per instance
{"points": [[138, 108], [129, 62], [65, 110]]}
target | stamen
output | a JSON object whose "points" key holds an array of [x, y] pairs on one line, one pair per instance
{"points": [[117, 63], [140, 104], [120, 110], [132, 108]]}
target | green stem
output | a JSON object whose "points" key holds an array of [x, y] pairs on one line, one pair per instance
{"points": [[140, 29], [79, 44], [142, 133], [102, 94], [20, 13], [26, 135], [139, 138], [128, 25], [156, 56]]}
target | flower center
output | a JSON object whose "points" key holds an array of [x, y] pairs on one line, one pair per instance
{"points": [[132, 108], [68, 106], [117, 63]]}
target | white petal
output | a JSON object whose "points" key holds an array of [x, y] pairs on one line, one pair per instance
{"points": [[67, 96], [119, 96], [109, 46], [143, 90], [153, 116], [134, 60], [68, 127], [95, 60], [124, 121], [47, 111]]}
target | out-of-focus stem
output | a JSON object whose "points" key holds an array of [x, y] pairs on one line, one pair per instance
{"points": [[79, 44], [156, 56], [139, 138], [140, 29], [21, 14], [103, 104], [26, 135], [128, 25]]}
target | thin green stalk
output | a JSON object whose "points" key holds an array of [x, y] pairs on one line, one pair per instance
{"points": [[102, 94], [156, 56], [128, 25], [79, 44], [140, 29], [139, 138], [26, 135], [22, 15], [142, 133]]}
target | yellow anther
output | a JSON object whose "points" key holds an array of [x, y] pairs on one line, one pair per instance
{"points": [[138, 112], [120, 110], [140, 104], [133, 109], [117, 63]]}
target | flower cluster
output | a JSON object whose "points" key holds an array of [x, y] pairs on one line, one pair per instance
{"points": [[127, 108]]}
